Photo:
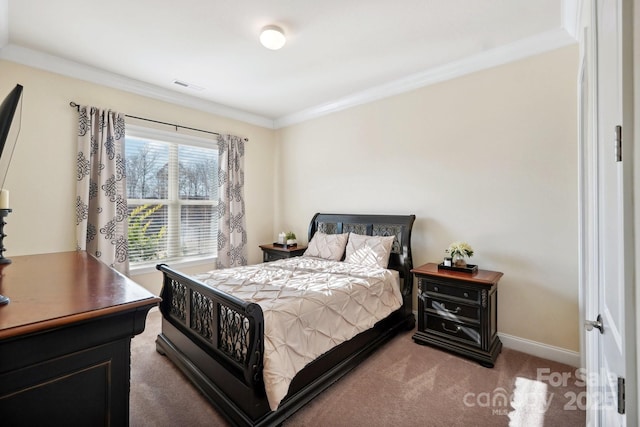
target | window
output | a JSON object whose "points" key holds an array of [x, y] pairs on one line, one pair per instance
{"points": [[172, 190]]}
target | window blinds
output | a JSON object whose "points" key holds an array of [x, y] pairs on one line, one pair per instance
{"points": [[172, 193]]}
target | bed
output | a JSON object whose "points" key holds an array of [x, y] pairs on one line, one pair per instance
{"points": [[218, 339]]}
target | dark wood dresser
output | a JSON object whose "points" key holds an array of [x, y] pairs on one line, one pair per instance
{"points": [[272, 252], [65, 340], [458, 311]]}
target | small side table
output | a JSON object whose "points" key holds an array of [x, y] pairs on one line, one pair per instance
{"points": [[458, 311], [272, 252]]}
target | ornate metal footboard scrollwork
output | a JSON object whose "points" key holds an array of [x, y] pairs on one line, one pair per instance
{"points": [[227, 328]]}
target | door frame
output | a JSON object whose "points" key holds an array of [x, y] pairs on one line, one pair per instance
{"points": [[589, 197]]}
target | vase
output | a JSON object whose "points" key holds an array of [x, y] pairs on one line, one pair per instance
{"points": [[459, 261]]}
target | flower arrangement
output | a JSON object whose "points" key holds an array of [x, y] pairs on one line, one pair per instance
{"points": [[290, 237], [460, 250]]}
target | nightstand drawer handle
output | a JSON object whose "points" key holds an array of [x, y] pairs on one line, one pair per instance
{"points": [[435, 289], [450, 311], [451, 330], [466, 294]]}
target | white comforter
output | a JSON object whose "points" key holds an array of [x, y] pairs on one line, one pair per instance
{"points": [[310, 305]]}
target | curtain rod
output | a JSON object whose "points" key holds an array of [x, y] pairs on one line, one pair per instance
{"points": [[77, 107]]}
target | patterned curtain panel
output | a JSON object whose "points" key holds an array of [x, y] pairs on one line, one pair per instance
{"points": [[232, 234], [101, 203]]}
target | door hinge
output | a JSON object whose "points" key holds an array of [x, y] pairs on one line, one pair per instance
{"points": [[621, 395], [618, 147]]}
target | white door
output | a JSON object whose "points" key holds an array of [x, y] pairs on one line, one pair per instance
{"points": [[615, 342]]}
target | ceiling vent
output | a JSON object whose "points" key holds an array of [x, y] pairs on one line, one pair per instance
{"points": [[187, 85]]}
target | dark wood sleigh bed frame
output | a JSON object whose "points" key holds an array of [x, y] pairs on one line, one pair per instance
{"points": [[217, 341]]}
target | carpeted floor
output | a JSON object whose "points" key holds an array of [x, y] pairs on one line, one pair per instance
{"points": [[401, 384]]}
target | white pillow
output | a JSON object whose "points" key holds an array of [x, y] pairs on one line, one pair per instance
{"points": [[369, 250], [327, 246]]}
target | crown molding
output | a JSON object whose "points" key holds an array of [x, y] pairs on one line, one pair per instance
{"points": [[535, 45], [498, 56], [65, 67], [571, 16]]}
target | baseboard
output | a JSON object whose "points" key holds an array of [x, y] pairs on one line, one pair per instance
{"points": [[546, 351]]}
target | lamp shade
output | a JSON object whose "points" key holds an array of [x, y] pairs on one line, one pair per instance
{"points": [[272, 37]]}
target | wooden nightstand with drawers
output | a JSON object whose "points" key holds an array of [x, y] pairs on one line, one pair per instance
{"points": [[458, 311], [273, 252]]}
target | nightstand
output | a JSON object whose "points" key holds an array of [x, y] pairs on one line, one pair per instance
{"points": [[458, 311], [272, 252]]}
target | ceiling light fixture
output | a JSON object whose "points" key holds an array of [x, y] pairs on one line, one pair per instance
{"points": [[272, 37]]}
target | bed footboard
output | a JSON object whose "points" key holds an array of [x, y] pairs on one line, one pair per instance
{"points": [[228, 329], [217, 340]]}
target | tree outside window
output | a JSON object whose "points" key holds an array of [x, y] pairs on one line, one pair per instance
{"points": [[172, 195]]}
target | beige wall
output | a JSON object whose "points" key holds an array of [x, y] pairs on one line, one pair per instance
{"points": [[489, 158], [41, 177]]}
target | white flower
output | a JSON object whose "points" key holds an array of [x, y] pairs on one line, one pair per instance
{"points": [[460, 248]]}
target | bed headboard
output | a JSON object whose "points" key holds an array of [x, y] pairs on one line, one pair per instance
{"points": [[399, 226]]}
